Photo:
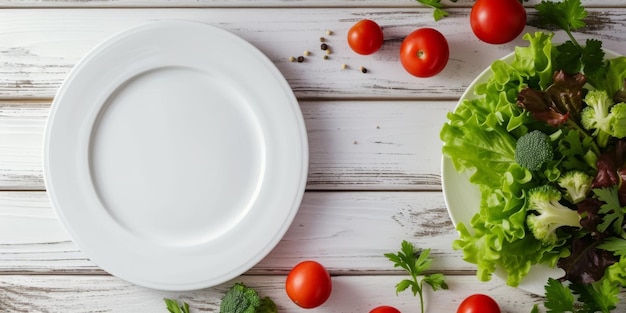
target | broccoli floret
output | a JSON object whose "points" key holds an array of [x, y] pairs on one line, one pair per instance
{"points": [[618, 120], [551, 214], [241, 299], [576, 184], [533, 150], [596, 115]]}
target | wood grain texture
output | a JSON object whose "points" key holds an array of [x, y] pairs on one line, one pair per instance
{"points": [[38, 47], [362, 145], [256, 3], [351, 294], [332, 227], [374, 148]]}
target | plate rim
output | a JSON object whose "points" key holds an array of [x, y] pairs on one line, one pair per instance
{"points": [[300, 152]]}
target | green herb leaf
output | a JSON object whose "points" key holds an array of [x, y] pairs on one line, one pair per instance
{"points": [[415, 263], [436, 281], [403, 285], [568, 15], [592, 57], [535, 309], [185, 307], [614, 244], [558, 297], [600, 296], [438, 12], [172, 306], [569, 58], [612, 208]]}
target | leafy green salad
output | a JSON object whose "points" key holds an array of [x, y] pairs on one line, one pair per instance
{"points": [[545, 141]]}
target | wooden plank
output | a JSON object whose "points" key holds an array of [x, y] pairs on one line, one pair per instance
{"points": [[38, 47], [364, 145], [258, 3], [91, 294], [335, 228], [21, 143]]}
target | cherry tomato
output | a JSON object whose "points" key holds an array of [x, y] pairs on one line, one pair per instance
{"points": [[478, 303], [384, 309], [424, 52], [308, 284], [497, 21], [365, 37]]}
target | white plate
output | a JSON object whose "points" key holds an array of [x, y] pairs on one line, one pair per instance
{"points": [[463, 198], [176, 155]]}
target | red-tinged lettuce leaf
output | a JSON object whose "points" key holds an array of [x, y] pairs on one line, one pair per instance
{"points": [[607, 172], [612, 170], [559, 102], [539, 105], [586, 263], [589, 209]]}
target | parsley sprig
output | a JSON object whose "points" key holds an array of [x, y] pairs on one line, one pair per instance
{"points": [[416, 262], [576, 298], [614, 211], [569, 15]]}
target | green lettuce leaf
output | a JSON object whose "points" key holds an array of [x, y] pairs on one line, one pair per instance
{"points": [[475, 140], [611, 80], [480, 137]]}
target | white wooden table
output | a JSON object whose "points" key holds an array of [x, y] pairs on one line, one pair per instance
{"points": [[374, 148]]}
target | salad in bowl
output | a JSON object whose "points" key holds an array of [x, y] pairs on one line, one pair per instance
{"points": [[533, 161]]}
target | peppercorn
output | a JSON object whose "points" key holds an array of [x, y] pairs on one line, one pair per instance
{"points": [[300, 59], [324, 46]]}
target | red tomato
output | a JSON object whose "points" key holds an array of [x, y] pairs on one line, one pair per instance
{"points": [[424, 52], [385, 309], [308, 284], [365, 37], [478, 303], [497, 21]]}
